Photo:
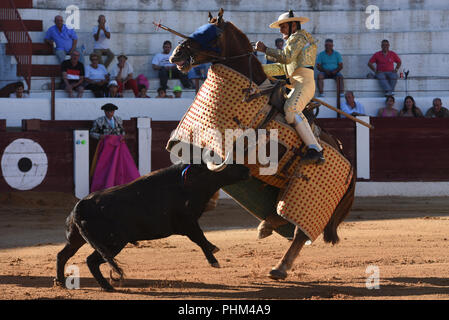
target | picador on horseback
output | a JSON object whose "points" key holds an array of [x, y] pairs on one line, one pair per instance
{"points": [[296, 62]]}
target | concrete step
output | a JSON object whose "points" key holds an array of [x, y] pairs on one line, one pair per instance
{"points": [[257, 5], [354, 66], [46, 94], [252, 21], [354, 43]]}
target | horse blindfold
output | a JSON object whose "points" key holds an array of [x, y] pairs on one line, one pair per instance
{"points": [[205, 34]]}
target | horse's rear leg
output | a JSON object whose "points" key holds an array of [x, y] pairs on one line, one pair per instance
{"points": [[279, 272], [74, 242]]}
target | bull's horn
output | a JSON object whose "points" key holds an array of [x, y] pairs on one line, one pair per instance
{"points": [[218, 167]]}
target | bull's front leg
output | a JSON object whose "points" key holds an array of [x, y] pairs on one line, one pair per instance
{"points": [[279, 272], [195, 234]]}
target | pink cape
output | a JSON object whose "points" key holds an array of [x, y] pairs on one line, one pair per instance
{"points": [[115, 165]]}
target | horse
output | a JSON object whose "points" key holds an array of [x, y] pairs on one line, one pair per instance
{"points": [[230, 47]]}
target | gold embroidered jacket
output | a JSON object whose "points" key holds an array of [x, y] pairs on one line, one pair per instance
{"points": [[299, 51]]}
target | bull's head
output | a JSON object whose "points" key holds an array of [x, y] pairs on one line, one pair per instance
{"points": [[203, 46]]}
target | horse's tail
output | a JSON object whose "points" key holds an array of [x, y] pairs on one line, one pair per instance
{"points": [[83, 226], [340, 213]]}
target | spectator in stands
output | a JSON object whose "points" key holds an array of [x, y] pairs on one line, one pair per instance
{"points": [[388, 110], [410, 109], [162, 93], [143, 91], [122, 72], [102, 34], [19, 93], [352, 107], [97, 77], [73, 75], [109, 124], [437, 110], [113, 90], [385, 71], [279, 44], [168, 70], [329, 62], [177, 91], [64, 39]]}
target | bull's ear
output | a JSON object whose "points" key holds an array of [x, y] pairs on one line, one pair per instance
{"points": [[220, 15], [210, 17]]}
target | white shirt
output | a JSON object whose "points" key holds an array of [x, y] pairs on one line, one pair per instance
{"points": [[162, 60], [96, 74], [127, 69], [103, 42]]}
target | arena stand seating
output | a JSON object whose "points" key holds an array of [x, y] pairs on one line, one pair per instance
{"points": [[417, 31]]}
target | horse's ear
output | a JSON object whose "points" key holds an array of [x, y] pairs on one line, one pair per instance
{"points": [[220, 15], [210, 16]]}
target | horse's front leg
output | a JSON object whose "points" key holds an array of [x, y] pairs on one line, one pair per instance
{"points": [[279, 272]]}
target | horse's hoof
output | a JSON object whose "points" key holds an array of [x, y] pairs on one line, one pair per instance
{"points": [[215, 250], [108, 289], [215, 265], [58, 283], [264, 229], [276, 274]]}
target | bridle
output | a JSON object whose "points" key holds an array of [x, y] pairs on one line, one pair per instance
{"points": [[215, 58]]}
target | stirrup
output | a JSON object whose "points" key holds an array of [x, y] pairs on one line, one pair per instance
{"points": [[313, 156]]}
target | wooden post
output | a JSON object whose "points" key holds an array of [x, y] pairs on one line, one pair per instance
{"points": [[53, 98], [197, 85], [338, 97]]}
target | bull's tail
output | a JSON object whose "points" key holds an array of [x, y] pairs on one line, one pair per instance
{"points": [[341, 211], [102, 250]]}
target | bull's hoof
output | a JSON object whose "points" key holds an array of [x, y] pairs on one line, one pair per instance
{"points": [[265, 229], [58, 283], [215, 250], [215, 265], [276, 274]]}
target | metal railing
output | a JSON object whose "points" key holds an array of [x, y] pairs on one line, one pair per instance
{"points": [[19, 41]]}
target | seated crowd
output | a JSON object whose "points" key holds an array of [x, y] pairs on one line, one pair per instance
{"points": [[78, 76]]}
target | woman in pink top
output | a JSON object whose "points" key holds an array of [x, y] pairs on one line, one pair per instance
{"points": [[388, 110]]}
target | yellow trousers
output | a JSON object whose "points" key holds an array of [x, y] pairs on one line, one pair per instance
{"points": [[303, 91]]}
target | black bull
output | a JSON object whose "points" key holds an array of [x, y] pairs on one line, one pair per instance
{"points": [[166, 202]]}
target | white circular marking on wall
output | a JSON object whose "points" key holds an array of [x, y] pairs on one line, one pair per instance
{"points": [[24, 164]]}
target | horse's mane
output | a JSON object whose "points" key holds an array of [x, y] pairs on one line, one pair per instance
{"points": [[237, 37], [240, 44]]}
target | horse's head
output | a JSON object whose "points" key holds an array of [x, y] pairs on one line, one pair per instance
{"points": [[204, 45]]}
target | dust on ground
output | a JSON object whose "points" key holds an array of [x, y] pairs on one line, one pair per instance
{"points": [[404, 239]]}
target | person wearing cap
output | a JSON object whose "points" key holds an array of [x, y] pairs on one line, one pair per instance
{"points": [[296, 61], [109, 124], [177, 91], [122, 72], [113, 90]]}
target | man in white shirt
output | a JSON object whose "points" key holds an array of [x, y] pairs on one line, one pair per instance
{"points": [[168, 70], [96, 76], [122, 72], [102, 35], [351, 106]]}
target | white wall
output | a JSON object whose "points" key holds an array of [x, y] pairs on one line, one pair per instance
{"points": [[14, 110]]}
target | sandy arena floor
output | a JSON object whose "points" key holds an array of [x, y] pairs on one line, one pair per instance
{"points": [[405, 238]]}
